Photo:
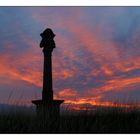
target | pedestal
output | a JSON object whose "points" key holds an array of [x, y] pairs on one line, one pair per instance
{"points": [[48, 110]]}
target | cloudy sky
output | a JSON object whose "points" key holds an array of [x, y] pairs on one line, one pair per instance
{"points": [[96, 60]]}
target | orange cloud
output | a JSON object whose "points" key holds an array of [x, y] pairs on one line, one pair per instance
{"points": [[67, 93], [82, 103], [110, 85], [105, 53], [19, 67], [128, 65], [116, 84]]}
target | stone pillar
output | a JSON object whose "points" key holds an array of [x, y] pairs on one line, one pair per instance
{"points": [[47, 93], [47, 108]]}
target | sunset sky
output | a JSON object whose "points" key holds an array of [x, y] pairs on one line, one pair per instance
{"points": [[96, 60]]}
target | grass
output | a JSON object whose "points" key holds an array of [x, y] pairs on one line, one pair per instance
{"points": [[114, 121]]}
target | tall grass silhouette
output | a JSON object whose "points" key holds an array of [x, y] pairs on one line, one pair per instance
{"points": [[106, 120]]}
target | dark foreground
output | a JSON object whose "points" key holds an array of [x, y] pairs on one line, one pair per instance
{"points": [[112, 121]]}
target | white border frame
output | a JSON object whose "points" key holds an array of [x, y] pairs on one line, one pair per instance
{"points": [[69, 2]]}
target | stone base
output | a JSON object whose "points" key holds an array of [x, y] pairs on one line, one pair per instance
{"points": [[48, 110]]}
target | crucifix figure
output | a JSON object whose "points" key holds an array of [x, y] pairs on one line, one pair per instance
{"points": [[47, 107]]}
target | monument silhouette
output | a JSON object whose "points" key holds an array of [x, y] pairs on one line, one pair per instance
{"points": [[47, 107]]}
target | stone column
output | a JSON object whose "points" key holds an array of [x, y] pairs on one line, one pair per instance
{"points": [[47, 108]]}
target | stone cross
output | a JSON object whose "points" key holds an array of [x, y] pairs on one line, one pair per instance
{"points": [[47, 107]]}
